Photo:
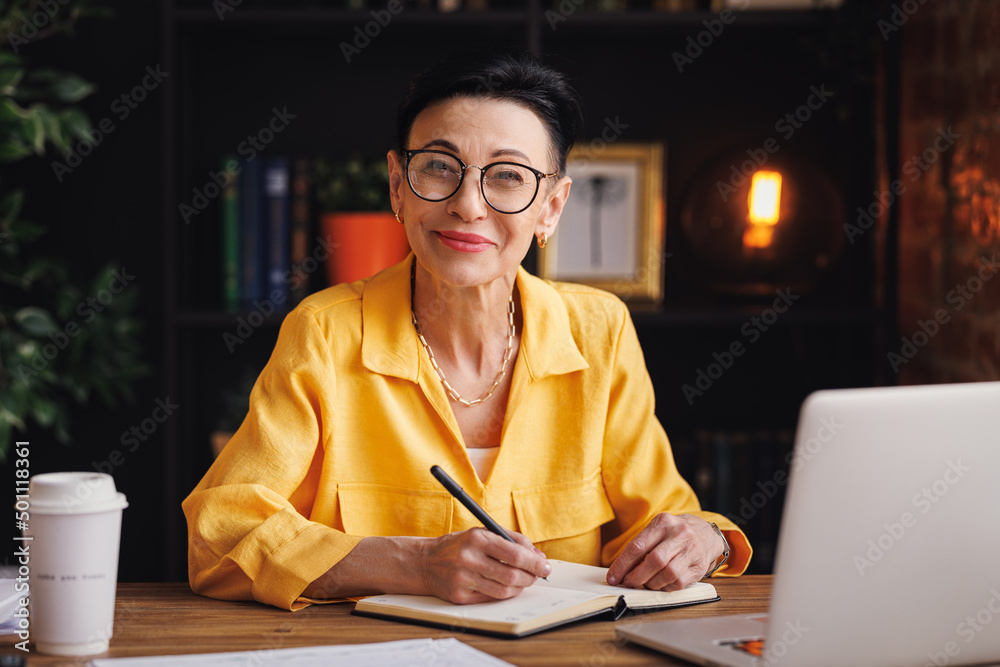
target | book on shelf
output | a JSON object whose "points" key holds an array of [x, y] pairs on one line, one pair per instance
{"points": [[278, 231], [573, 592], [265, 230]]}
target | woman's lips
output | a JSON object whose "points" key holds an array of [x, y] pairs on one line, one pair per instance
{"points": [[464, 242]]}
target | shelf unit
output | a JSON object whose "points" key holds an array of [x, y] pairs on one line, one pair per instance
{"points": [[228, 75]]}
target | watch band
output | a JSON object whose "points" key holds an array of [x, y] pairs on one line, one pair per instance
{"points": [[725, 554]]}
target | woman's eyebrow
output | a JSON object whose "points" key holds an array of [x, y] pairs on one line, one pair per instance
{"points": [[443, 143], [447, 145]]}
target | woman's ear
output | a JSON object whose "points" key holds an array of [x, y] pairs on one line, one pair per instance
{"points": [[555, 200], [397, 180]]}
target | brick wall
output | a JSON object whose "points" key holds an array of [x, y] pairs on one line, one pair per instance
{"points": [[949, 216]]}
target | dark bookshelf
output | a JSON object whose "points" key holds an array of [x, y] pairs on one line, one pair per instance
{"points": [[228, 74]]}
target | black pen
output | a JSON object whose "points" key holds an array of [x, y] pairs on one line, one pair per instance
{"points": [[470, 504]]}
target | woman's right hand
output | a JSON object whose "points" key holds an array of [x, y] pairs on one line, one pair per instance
{"points": [[477, 566]]}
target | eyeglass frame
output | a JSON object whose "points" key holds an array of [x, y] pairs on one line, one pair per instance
{"points": [[539, 176]]}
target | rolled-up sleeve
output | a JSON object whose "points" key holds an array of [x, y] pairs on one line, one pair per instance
{"points": [[248, 532]]}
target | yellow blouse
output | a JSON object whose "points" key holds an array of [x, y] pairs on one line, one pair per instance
{"points": [[348, 416]]}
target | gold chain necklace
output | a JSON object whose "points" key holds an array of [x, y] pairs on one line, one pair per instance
{"points": [[454, 395]]}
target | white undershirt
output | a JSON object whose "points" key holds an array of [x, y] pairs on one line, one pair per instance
{"points": [[483, 459]]}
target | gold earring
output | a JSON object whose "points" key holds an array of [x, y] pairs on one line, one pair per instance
{"points": [[542, 240], [396, 213]]}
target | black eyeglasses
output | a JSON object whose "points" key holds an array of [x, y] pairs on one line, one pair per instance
{"points": [[508, 187]]}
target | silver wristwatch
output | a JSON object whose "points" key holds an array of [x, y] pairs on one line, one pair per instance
{"points": [[725, 554]]}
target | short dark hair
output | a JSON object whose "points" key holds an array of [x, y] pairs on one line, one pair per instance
{"points": [[513, 75]]}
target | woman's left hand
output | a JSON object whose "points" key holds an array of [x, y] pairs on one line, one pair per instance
{"points": [[668, 554]]}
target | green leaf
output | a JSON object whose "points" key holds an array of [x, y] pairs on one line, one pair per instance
{"points": [[9, 78], [70, 88], [34, 131], [104, 276], [10, 207], [13, 150], [66, 302], [25, 231], [54, 129], [11, 110], [9, 418], [75, 123], [44, 412], [8, 59], [43, 75], [35, 321], [40, 267]]}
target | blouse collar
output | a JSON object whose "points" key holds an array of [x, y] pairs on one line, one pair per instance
{"points": [[390, 347]]}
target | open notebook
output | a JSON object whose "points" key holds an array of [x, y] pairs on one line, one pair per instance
{"points": [[573, 592]]}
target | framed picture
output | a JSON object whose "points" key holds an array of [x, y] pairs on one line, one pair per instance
{"points": [[610, 235]]}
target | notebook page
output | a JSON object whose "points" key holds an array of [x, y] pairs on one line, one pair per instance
{"points": [[533, 602], [594, 580], [580, 577]]}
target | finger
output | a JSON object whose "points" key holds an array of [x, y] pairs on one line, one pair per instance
{"points": [[504, 586], [523, 541], [676, 574], [662, 558], [632, 555], [521, 556]]}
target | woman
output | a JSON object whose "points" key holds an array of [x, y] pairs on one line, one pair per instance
{"points": [[534, 396]]}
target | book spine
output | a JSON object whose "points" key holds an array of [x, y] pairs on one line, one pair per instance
{"points": [[300, 229], [231, 237], [276, 191], [250, 233]]}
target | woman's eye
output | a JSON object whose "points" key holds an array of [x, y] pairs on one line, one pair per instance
{"points": [[508, 178], [437, 167]]}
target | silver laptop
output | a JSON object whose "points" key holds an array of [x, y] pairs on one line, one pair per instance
{"points": [[889, 552]]}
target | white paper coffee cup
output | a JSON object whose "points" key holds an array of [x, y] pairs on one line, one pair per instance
{"points": [[75, 526]]}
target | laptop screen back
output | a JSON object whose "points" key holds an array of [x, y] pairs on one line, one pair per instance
{"points": [[890, 543]]}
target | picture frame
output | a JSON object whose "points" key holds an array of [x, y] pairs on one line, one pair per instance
{"points": [[611, 231]]}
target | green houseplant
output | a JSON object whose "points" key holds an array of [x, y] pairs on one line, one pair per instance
{"points": [[356, 217], [60, 343]]}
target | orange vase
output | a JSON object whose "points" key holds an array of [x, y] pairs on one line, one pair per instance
{"points": [[362, 244]]}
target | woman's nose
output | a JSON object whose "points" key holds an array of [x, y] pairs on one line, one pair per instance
{"points": [[469, 202]]}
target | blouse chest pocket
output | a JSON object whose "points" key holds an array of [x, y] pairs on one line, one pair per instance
{"points": [[564, 510], [378, 509]]}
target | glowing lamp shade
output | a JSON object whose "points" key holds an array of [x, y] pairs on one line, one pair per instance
{"points": [[765, 198], [764, 202]]}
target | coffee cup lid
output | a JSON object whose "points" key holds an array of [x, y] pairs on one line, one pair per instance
{"points": [[74, 493]]}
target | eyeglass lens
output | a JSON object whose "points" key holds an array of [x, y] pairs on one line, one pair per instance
{"points": [[507, 187]]}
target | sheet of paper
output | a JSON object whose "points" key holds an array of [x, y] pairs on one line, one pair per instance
{"points": [[9, 598], [417, 652], [533, 602]]}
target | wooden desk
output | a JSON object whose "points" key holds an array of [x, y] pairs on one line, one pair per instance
{"points": [[163, 619]]}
